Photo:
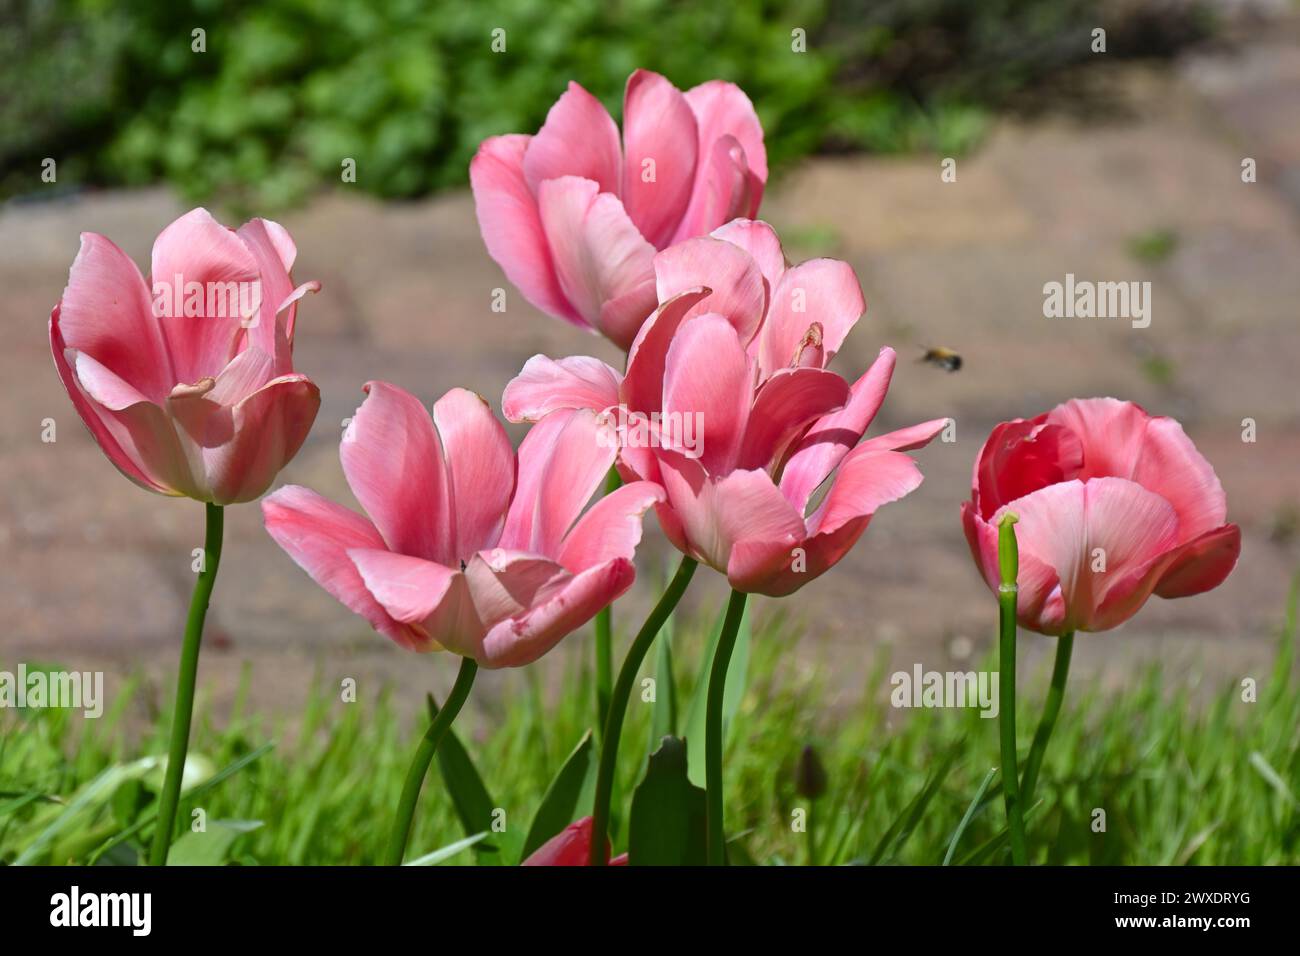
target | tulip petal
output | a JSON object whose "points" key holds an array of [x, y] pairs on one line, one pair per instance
{"points": [[317, 534], [570, 847], [140, 427], [867, 479], [599, 256], [825, 291], [545, 385], [268, 429], [505, 584], [1120, 439], [562, 461], [755, 527], [481, 465], [1202, 564], [1020, 457], [1111, 433], [1170, 465], [760, 241], [660, 142], [643, 383], [95, 419], [909, 438], [522, 640], [709, 376], [394, 465], [738, 293], [1110, 524], [611, 528], [106, 313], [723, 109], [715, 513], [783, 407], [1039, 606], [271, 330], [511, 224], [198, 254], [578, 139], [433, 600], [725, 189], [830, 439], [728, 127]]}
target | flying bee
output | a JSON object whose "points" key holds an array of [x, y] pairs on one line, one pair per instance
{"points": [[943, 358]]}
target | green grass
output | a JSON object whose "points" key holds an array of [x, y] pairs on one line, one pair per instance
{"points": [[1210, 780]]}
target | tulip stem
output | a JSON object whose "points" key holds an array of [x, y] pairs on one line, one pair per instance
{"points": [[1009, 564], [617, 711], [185, 678], [604, 637], [717, 854], [423, 756], [1051, 708]]}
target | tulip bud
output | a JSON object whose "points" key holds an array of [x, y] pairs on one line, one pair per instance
{"points": [[810, 775]]}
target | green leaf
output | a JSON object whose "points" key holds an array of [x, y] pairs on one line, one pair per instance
{"points": [[667, 825], [93, 795], [663, 721], [568, 795], [902, 827], [975, 806], [448, 851], [469, 795], [210, 847], [151, 813], [737, 672]]}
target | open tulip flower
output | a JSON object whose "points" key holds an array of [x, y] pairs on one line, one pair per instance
{"points": [[1114, 505], [187, 382], [466, 547], [740, 346], [727, 405], [574, 217], [1077, 517], [461, 549]]}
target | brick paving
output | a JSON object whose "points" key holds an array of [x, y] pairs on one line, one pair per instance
{"points": [[97, 572]]}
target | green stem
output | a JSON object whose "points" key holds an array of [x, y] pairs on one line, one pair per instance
{"points": [[717, 855], [1051, 708], [618, 707], [604, 636], [1009, 560], [423, 755], [189, 669]]}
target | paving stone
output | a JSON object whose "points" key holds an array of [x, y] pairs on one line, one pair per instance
{"points": [[97, 571]]}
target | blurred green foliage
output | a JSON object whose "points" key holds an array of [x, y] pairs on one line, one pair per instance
{"points": [[285, 90]]}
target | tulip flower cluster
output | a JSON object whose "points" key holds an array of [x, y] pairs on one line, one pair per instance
{"points": [[727, 421]]}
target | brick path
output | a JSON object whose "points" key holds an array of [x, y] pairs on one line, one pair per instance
{"points": [[97, 572]]}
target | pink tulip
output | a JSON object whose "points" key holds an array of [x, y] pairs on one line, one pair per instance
{"points": [[465, 548], [187, 382], [574, 217], [1114, 505], [570, 847], [740, 343]]}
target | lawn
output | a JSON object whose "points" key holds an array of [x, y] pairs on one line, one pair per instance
{"points": [[1184, 775]]}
